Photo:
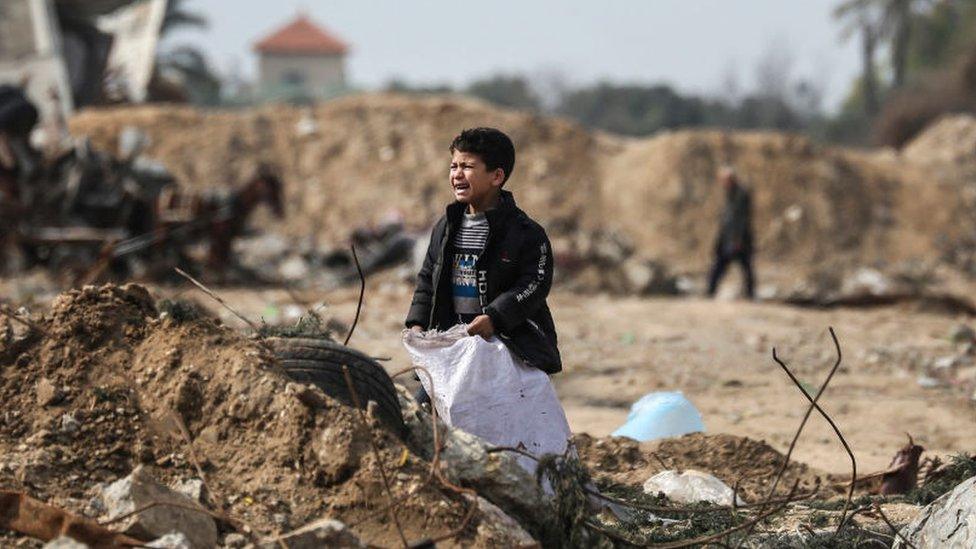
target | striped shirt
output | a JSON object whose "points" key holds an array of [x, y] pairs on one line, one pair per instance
{"points": [[469, 243]]}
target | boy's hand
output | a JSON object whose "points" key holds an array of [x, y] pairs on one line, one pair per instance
{"points": [[481, 326], [417, 328]]}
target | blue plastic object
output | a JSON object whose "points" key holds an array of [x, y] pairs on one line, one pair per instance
{"points": [[661, 415]]}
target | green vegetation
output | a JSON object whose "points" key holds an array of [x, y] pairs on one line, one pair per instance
{"points": [[309, 325], [960, 468]]}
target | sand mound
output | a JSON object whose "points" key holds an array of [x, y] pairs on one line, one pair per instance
{"points": [[348, 162], [810, 202], [949, 140], [751, 463], [111, 383]]}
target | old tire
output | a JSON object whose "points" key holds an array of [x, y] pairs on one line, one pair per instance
{"points": [[320, 362]]}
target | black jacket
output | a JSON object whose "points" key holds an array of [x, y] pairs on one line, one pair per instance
{"points": [[514, 277], [735, 227]]}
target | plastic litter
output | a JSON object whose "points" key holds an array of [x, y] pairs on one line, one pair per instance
{"points": [[661, 415], [690, 487], [483, 389]]}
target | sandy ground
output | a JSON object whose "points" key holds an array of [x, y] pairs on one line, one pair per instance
{"points": [[718, 353]]}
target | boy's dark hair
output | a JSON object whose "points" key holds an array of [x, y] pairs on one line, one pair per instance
{"points": [[494, 147]]}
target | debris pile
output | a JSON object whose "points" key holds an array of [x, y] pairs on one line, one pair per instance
{"points": [[112, 388], [736, 461], [812, 203], [172, 426], [595, 261]]}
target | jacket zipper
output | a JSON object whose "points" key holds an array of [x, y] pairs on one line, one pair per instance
{"points": [[437, 276]]}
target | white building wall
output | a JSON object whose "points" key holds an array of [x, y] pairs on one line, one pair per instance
{"points": [[322, 76]]}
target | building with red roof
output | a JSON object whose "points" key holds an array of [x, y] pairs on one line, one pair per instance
{"points": [[301, 60]]}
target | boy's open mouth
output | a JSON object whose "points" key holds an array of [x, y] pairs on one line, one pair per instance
{"points": [[462, 186]]}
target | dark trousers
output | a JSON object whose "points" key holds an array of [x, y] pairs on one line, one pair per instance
{"points": [[721, 263]]}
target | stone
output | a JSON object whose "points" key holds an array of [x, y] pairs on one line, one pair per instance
{"points": [[949, 521], [138, 490], [47, 393], [690, 487], [928, 382], [497, 477], [496, 529], [192, 488], [946, 363], [70, 424], [326, 532], [962, 333], [65, 542], [235, 540], [173, 540]]}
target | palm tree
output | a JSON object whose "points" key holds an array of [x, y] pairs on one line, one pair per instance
{"points": [[860, 17], [893, 23], [897, 17], [177, 16], [194, 74]]}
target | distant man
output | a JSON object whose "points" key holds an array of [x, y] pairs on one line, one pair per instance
{"points": [[734, 241], [18, 116]]}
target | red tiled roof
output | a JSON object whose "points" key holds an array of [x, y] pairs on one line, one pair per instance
{"points": [[301, 36]]}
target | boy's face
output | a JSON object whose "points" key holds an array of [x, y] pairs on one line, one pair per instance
{"points": [[473, 184]]}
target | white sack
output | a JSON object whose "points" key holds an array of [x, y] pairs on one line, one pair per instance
{"points": [[481, 388]]}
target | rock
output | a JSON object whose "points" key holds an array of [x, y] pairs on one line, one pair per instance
{"points": [[949, 521], [234, 540], [191, 488], [962, 333], [173, 540], [293, 268], [70, 424], [322, 533], [497, 477], [946, 363], [65, 542], [867, 281], [928, 382], [47, 393], [138, 490], [496, 529], [338, 450], [690, 487], [648, 277]]}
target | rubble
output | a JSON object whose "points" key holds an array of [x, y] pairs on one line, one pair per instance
{"points": [[496, 476], [322, 533], [950, 521], [47, 393], [65, 542], [266, 445], [173, 540], [140, 490], [812, 203], [963, 334], [731, 459]]}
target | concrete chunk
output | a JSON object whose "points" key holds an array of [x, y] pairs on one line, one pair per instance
{"points": [[138, 490]]}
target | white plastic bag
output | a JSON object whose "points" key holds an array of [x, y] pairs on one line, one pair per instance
{"points": [[481, 388]]}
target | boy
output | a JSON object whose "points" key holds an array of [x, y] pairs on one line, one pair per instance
{"points": [[488, 264]]}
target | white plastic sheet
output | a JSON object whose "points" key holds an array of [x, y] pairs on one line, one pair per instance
{"points": [[481, 388]]}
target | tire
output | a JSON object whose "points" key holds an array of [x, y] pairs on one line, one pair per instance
{"points": [[320, 362]]}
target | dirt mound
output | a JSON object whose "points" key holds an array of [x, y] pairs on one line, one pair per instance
{"points": [[810, 202], [111, 386], [950, 140], [750, 463], [347, 163]]}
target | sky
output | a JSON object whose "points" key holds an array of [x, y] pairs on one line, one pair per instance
{"points": [[697, 46]]}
